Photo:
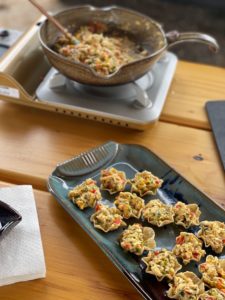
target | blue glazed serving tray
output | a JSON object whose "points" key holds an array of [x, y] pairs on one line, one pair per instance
{"points": [[131, 159]]}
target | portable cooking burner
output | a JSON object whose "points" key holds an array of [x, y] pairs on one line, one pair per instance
{"points": [[26, 78]]}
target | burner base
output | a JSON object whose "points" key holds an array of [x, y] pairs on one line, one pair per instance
{"points": [[135, 105]]}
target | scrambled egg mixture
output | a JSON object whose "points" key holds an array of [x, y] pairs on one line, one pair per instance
{"points": [[162, 264], [188, 247], [213, 272], [145, 183], [86, 194], [107, 218], [185, 286], [212, 294], [158, 213], [136, 239], [186, 214], [213, 235], [113, 180], [129, 204], [104, 53]]}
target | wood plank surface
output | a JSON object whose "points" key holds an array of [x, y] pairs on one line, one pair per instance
{"points": [[32, 142], [73, 272], [193, 85], [21, 14]]}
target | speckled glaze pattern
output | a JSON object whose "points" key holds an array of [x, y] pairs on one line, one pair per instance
{"points": [[146, 31], [130, 159]]}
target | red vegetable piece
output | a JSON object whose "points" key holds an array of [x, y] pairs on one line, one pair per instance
{"points": [[180, 240]]}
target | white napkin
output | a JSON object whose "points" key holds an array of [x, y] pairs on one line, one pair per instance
{"points": [[21, 252]]}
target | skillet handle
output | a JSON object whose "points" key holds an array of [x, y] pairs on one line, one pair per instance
{"points": [[176, 37]]}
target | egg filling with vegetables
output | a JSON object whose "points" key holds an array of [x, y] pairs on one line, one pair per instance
{"points": [[85, 194], [112, 180], [158, 213], [129, 204], [145, 183], [213, 272], [186, 215], [212, 294], [213, 235], [107, 218], [188, 247], [162, 264], [105, 53], [185, 286], [136, 239]]}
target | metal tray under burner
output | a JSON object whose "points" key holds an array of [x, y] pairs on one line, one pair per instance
{"points": [[33, 83], [136, 104]]}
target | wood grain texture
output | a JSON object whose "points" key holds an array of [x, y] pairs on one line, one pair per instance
{"points": [[21, 14], [193, 85], [73, 272], [33, 142]]}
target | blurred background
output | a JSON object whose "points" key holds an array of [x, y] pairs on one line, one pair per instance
{"points": [[206, 16]]}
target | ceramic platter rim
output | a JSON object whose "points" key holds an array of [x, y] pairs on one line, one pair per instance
{"points": [[131, 158]]}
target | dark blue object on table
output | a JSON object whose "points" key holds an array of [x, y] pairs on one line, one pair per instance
{"points": [[7, 39], [9, 218]]}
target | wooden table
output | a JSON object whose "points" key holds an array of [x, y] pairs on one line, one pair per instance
{"points": [[33, 141]]}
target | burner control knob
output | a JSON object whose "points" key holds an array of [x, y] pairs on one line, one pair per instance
{"points": [[4, 33]]}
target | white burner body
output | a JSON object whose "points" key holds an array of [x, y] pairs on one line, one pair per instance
{"points": [[138, 103]]}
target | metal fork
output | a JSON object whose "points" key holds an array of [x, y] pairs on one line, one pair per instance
{"points": [[87, 162]]}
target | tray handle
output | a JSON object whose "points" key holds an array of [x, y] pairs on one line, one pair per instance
{"points": [[88, 162]]}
